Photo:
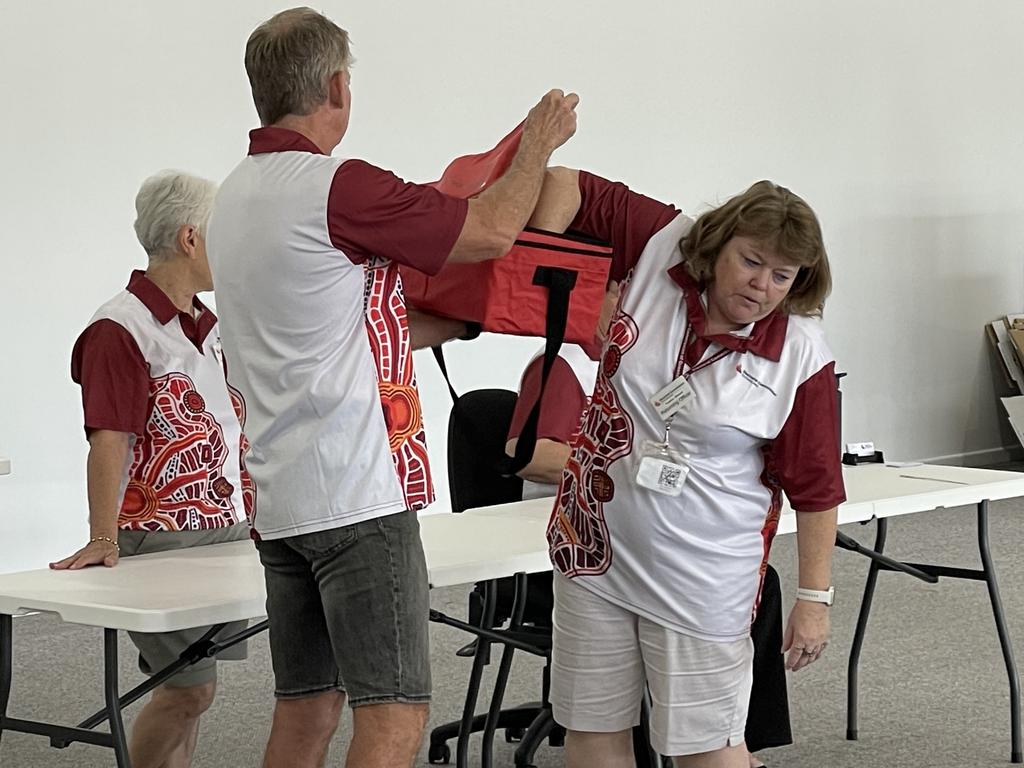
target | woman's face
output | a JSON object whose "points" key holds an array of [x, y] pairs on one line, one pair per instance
{"points": [[750, 282]]}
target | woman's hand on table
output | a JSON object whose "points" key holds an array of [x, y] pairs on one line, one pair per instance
{"points": [[94, 553]]}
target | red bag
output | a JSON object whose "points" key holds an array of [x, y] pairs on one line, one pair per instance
{"points": [[511, 294]]}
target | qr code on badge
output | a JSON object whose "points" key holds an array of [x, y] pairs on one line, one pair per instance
{"points": [[669, 477]]}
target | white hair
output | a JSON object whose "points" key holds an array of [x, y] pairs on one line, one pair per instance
{"points": [[168, 201]]}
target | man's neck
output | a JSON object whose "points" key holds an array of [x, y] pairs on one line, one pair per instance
{"points": [[174, 282], [313, 128]]}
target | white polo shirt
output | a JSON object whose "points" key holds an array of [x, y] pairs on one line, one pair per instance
{"points": [[156, 373], [304, 250], [763, 423]]}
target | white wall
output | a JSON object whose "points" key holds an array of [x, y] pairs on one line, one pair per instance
{"points": [[897, 121]]}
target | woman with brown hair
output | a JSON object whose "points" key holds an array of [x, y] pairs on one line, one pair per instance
{"points": [[716, 395]]}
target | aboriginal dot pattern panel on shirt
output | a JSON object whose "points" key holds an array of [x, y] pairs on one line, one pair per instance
{"points": [[248, 486], [176, 480], [770, 480], [577, 534], [388, 331]]}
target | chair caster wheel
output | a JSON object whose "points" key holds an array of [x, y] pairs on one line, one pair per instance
{"points": [[514, 735], [439, 754]]}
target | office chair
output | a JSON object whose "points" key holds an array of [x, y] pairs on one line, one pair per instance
{"points": [[477, 431]]}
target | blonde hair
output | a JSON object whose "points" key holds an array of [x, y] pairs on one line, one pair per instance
{"points": [[779, 220], [290, 59]]}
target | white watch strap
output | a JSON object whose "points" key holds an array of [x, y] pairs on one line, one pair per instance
{"points": [[826, 596]]}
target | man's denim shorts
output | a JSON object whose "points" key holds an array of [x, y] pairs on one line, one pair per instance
{"points": [[348, 610]]}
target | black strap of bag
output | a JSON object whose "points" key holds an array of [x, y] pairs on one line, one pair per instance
{"points": [[559, 283]]}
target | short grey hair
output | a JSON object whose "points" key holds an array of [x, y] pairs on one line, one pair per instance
{"points": [[290, 58], [168, 201]]}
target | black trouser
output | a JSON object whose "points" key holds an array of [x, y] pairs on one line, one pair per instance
{"points": [[768, 716]]}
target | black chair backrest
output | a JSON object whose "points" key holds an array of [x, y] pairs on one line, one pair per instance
{"points": [[477, 431]]}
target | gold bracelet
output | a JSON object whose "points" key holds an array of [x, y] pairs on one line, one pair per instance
{"points": [[108, 540]]}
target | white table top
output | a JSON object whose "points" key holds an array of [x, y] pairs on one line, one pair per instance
{"points": [[462, 549], [224, 582], [5, 465], [165, 591], [148, 593], [872, 490]]}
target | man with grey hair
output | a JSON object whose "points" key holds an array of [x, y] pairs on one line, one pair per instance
{"points": [[305, 250], [166, 451]]}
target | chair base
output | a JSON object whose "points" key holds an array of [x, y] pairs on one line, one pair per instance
{"points": [[530, 724]]}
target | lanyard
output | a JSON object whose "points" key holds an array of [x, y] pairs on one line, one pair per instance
{"points": [[682, 370]]}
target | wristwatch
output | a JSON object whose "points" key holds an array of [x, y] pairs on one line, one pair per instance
{"points": [[826, 596]]}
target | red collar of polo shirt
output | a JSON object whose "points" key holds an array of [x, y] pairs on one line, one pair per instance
{"points": [[163, 309], [765, 339], [271, 139]]}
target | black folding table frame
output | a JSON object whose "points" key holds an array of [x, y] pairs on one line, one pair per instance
{"points": [[62, 736], [515, 637], [931, 574]]}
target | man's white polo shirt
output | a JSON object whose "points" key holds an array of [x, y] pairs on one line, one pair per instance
{"points": [[304, 250]]}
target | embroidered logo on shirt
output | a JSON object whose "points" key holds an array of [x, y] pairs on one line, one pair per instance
{"points": [[754, 381]]}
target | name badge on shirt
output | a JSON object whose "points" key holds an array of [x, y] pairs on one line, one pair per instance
{"points": [[661, 469], [672, 398]]}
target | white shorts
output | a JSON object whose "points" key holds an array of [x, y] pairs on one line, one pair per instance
{"points": [[604, 654]]}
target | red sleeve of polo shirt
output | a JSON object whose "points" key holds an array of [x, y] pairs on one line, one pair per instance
{"points": [[109, 366], [610, 211], [561, 408], [372, 212], [806, 452]]}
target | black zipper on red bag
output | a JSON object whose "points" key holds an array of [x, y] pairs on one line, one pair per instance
{"points": [[565, 248]]}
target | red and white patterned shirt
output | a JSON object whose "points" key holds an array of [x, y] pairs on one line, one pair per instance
{"points": [[304, 249], [763, 422], [156, 373]]}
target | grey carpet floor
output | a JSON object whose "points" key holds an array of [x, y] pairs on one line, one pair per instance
{"points": [[934, 690]]}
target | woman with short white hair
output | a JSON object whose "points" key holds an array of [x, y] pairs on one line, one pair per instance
{"points": [[166, 450], [167, 202]]}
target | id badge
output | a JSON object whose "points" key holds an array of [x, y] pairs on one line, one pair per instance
{"points": [[672, 398], [661, 469]]}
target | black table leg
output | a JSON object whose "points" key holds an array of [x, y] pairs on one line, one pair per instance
{"points": [[480, 657], [858, 635], [6, 641], [1016, 753], [110, 670], [504, 667]]}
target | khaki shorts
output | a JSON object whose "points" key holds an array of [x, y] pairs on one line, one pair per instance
{"points": [[157, 650], [604, 655]]}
